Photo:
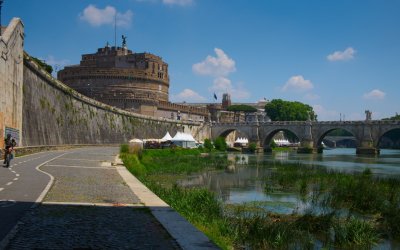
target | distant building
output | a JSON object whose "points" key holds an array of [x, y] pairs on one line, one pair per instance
{"points": [[137, 82], [218, 111], [226, 100]]}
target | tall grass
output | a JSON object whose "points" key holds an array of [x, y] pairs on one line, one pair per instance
{"points": [[246, 227]]}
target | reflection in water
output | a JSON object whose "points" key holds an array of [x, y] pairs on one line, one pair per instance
{"points": [[243, 179]]}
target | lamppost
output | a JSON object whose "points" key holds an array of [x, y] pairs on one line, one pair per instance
{"points": [[1, 3]]}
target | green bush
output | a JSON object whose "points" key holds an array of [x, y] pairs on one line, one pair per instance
{"points": [[133, 164], [124, 148], [220, 144], [208, 144], [252, 147]]}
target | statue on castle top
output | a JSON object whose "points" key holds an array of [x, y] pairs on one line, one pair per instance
{"points": [[124, 41], [368, 115]]}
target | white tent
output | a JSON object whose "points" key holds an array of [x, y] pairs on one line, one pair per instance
{"points": [[167, 137], [135, 141], [184, 140], [282, 142], [242, 140]]}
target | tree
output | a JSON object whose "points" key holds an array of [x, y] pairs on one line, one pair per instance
{"points": [[396, 117], [220, 144], [280, 110], [208, 145], [252, 147], [241, 107]]}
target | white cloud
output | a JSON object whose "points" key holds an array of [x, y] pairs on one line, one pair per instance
{"points": [[178, 2], [224, 85], [98, 17], [188, 95], [221, 85], [375, 94], [297, 83], [345, 55], [218, 66]]}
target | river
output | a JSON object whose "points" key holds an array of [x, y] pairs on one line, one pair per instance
{"points": [[243, 182]]}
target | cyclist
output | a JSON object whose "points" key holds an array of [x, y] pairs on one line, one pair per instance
{"points": [[9, 147]]}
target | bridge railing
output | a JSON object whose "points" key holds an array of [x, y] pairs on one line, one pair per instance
{"points": [[377, 122]]}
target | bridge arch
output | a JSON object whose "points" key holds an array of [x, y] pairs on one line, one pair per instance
{"points": [[389, 138], [320, 137], [270, 134], [226, 131]]}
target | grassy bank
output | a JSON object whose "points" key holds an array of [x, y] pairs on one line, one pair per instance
{"points": [[240, 226], [159, 170]]}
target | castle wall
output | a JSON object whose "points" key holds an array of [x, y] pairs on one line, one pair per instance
{"points": [[11, 81], [54, 114], [103, 83]]}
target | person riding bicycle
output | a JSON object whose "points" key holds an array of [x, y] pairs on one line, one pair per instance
{"points": [[9, 144]]}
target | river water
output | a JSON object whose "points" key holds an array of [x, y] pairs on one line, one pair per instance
{"points": [[242, 181]]}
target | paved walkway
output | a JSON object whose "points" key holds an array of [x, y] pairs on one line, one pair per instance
{"points": [[88, 206], [20, 187]]}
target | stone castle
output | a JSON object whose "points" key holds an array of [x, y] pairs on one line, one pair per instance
{"points": [[136, 82]]}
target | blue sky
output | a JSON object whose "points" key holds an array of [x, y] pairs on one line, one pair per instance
{"points": [[341, 57]]}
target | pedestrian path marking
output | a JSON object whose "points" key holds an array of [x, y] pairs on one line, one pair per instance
{"points": [[8, 184], [1, 189], [17, 175], [15, 179]]}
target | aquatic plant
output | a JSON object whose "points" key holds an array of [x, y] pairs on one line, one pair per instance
{"points": [[249, 226], [355, 233]]}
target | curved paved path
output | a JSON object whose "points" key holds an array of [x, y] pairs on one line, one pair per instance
{"points": [[88, 206], [20, 187]]}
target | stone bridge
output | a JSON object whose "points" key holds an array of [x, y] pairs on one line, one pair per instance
{"points": [[367, 134]]}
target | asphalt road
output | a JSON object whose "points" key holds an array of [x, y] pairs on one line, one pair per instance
{"points": [[20, 187]]}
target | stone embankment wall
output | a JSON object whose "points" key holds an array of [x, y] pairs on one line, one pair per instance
{"points": [[11, 67], [54, 114]]}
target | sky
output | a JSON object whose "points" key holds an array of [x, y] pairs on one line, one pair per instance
{"points": [[340, 57]]}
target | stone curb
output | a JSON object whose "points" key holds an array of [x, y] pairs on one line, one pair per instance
{"points": [[185, 234]]}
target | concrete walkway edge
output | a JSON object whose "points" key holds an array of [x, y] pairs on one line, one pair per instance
{"points": [[187, 236]]}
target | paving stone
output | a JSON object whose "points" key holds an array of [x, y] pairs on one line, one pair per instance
{"points": [[53, 226]]}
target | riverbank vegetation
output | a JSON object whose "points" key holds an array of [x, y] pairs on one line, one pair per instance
{"points": [[352, 211]]}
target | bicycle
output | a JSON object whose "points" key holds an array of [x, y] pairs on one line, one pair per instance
{"points": [[7, 157]]}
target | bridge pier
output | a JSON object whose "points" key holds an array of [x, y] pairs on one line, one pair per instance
{"points": [[367, 145], [368, 151], [307, 147], [367, 148], [307, 143]]}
